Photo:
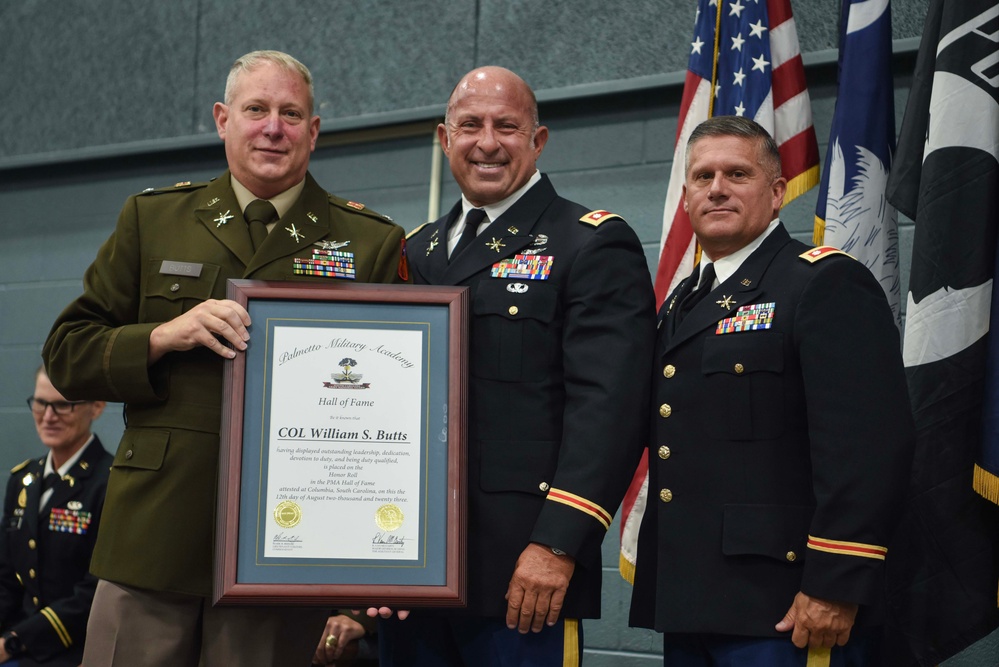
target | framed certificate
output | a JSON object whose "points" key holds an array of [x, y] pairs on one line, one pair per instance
{"points": [[342, 468]]}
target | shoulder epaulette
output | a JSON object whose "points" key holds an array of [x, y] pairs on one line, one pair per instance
{"points": [[815, 254], [183, 186], [597, 218], [357, 207], [20, 466], [414, 232]]}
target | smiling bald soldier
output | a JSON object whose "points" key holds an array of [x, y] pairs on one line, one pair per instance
{"points": [[561, 342]]}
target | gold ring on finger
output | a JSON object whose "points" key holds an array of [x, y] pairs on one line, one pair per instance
{"points": [[331, 641]]}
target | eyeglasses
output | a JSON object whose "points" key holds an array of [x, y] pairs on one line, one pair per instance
{"points": [[39, 405]]}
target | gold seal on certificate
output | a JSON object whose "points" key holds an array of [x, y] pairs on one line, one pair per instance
{"points": [[388, 517], [287, 514]]}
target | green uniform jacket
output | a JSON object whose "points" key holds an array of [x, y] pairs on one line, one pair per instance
{"points": [[173, 249]]}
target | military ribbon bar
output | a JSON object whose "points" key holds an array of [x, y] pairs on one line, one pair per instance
{"points": [[524, 267], [69, 521], [748, 318], [327, 264]]}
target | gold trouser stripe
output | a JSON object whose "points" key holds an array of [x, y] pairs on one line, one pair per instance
{"points": [[570, 645], [819, 657], [57, 625]]}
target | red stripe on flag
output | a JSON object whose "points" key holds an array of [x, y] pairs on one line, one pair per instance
{"points": [[788, 80], [778, 11], [799, 153], [677, 242]]}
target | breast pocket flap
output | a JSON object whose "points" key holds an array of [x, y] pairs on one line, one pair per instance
{"points": [[749, 352], [516, 300], [173, 286], [143, 449], [775, 531]]}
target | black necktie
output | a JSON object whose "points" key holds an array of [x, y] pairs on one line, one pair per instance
{"points": [[471, 230], [704, 286], [259, 214], [49, 481]]}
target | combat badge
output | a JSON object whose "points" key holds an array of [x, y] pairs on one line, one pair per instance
{"points": [[748, 318], [538, 246], [332, 245]]}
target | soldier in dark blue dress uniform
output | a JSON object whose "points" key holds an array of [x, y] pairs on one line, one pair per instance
{"points": [[51, 512]]}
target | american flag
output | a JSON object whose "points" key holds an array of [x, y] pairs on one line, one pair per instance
{"points": [[744, 61]]}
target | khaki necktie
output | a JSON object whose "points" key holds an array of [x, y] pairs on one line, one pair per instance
{"points": [[259, 214]]}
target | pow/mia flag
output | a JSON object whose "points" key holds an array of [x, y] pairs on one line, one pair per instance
{"points": [[942, 565]]}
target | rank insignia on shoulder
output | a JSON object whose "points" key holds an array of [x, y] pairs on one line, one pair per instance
{"points": [[815, 254], [597, 218], [416, 231], [357, 205], [180, 185]]}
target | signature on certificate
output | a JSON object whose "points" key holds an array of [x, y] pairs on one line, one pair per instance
{"points": [[284, 538], [387, 538]]}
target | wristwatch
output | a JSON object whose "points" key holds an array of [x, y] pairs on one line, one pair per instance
{"points": [[12, 644]]}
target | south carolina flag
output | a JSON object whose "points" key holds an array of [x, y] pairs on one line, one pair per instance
{"points": [[852, 213], [744, 61]]}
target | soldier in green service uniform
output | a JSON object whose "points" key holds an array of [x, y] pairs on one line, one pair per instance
{"points": [[152, 329]]}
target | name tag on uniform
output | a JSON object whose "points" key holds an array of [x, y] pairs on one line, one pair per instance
{"points": [[180, 268]]}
